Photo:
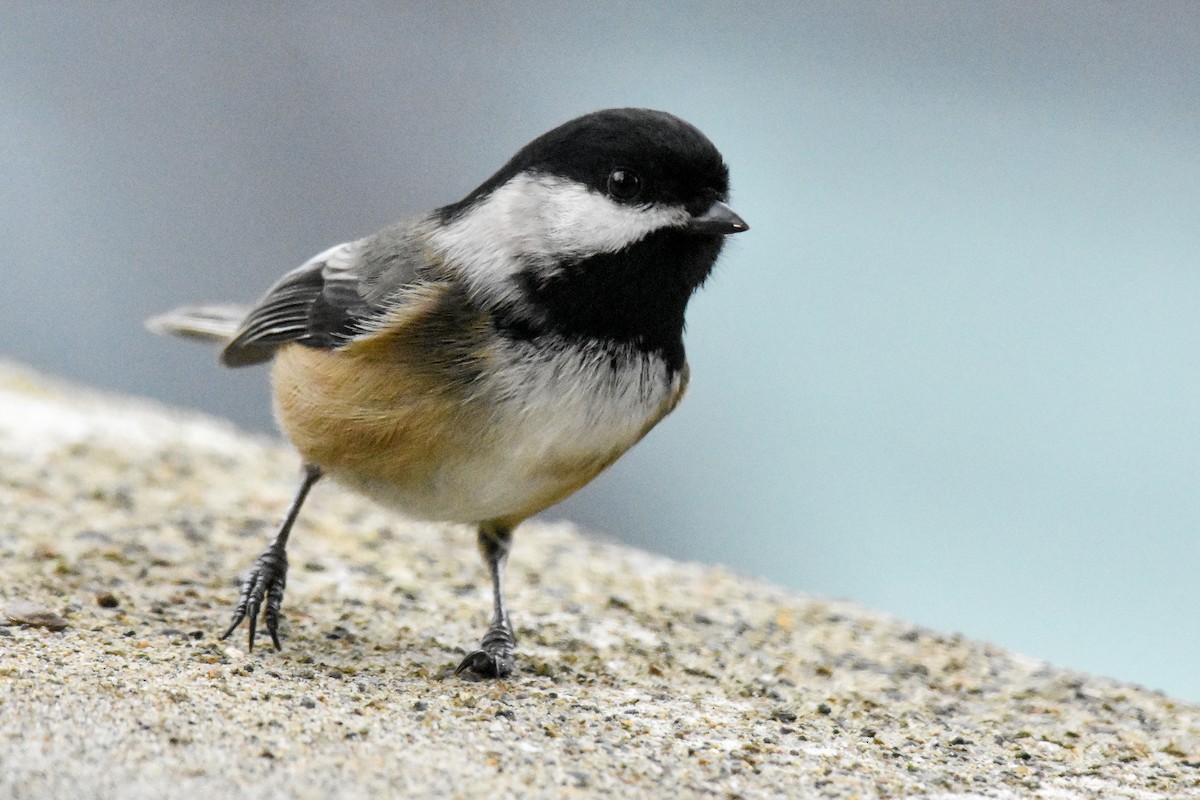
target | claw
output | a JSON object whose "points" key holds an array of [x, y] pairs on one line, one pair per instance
{"points": [[239, 614], [266, 582], [487, 665], [252, 625], [494, 658], [274, 601]]}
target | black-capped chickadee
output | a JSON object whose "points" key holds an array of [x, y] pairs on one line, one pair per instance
{"points": [[483, 361]]}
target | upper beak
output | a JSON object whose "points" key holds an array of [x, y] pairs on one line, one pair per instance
{"points": [[719, 218]]}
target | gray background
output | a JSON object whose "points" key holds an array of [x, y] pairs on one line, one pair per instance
{"points": [[951, 372]]}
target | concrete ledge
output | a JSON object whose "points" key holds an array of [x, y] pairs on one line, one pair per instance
{"points": [[640, 676]]}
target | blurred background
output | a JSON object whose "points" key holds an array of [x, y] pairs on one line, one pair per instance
{"points": [[950, 373]]}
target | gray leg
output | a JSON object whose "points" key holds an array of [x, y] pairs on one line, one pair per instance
{"points": [[269, 576], [494, 658]]}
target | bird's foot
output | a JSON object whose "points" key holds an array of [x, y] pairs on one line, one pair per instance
{"points": [[495, 656], [265, 584]]}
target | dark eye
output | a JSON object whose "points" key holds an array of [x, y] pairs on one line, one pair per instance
{"points": [[624, 184]]}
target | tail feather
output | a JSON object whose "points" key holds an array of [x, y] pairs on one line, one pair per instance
{"points": [[205, 323]]}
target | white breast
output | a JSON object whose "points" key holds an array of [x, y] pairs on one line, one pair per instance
{"points": [[580, 399], [559, 418]]}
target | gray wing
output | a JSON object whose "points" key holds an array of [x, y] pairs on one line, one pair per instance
{"points": [[334, 296]]}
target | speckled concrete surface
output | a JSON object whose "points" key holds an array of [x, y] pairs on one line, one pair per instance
{"points": [[123, 527]]}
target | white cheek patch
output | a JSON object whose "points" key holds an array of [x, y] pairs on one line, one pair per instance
{"points": [[537, 221], [576, 221]]}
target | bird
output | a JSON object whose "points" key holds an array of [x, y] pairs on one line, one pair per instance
{"points": [[481, 362]]}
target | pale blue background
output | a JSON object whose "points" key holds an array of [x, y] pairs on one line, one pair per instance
{"points": [[950, 373]]}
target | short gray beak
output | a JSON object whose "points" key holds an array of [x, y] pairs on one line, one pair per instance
{"points": [[719, 218]]}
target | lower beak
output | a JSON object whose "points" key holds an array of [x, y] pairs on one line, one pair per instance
{"points": [[719, 219]]}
